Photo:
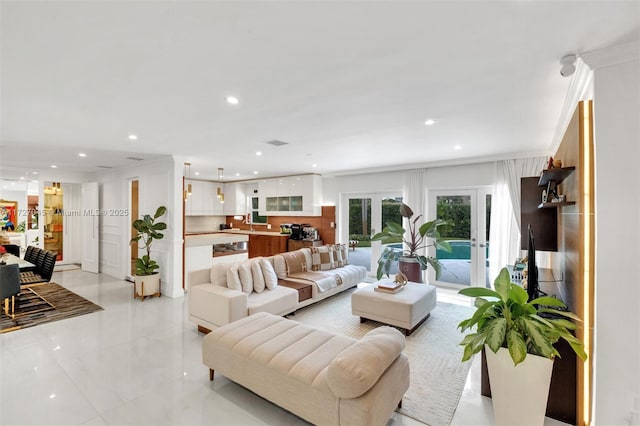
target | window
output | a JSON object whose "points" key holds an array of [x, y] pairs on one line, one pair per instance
{"points": [[255, 216]]}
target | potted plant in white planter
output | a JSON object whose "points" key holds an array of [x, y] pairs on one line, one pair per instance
{"points": [[147, 279], [410, 262], [519, 346]]}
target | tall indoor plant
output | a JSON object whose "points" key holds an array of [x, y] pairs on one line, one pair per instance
{"points": [[520, 346], [416, 238], [147, 279]]}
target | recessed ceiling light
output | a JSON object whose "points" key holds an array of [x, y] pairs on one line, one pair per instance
{"points": [[258, 153], [34, 173], [197, 173], [21, 177], [255, 172], [457, 147], [232, 100], [82, 154], [237, 174], [430, 122], [53, 166], [53, 395], [314, 165], [133, 137]]}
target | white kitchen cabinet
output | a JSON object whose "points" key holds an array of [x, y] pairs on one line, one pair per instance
{"points": [[235, 199], [203, 200], [197, 199], [299, 195]]}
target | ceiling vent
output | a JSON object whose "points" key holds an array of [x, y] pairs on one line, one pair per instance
{"points": [[135, 158], [276, 142], [106, 167]]}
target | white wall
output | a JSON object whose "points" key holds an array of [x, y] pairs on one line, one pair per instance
{"points": [[617, 286], [158, 185]]}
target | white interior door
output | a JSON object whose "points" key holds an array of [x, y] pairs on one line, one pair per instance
{"points": [[469, 209], [90, 227]]}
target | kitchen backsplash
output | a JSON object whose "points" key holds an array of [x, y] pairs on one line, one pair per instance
{"points": [[203, 223]]}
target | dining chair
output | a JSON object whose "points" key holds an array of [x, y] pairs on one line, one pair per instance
{"points": [[12, 248], [9, 287]]}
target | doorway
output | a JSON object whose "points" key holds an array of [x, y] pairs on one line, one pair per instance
{"points": [[133, 201], [366, 214], [470, 210]]}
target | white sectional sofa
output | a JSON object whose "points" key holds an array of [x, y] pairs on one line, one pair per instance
{"points": [[325, 378], [227, 292]]}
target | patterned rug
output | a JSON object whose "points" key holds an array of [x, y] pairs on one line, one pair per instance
{"points": [[45, 303], [437, 375]]}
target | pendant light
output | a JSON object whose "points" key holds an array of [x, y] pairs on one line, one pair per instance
{"points": [[219, 192], [187, 175]]}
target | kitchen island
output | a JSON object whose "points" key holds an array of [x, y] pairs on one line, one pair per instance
{"points": [[263, 243], [203, 249]]}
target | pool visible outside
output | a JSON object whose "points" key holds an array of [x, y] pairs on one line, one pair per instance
{"points": [[460, 249]]}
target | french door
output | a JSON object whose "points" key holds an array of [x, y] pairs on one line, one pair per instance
{"points": [[470, 211], [365, 215]]}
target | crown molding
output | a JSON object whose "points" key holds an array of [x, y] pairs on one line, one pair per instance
{"points": [[580, 89], [613, 55]]}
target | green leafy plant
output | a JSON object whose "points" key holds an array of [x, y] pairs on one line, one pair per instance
{"points": [[148, 230], [508, 320], [416, 238], [21, 226]]}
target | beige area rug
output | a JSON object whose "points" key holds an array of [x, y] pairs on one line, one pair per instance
{"points": [[437, 375]]}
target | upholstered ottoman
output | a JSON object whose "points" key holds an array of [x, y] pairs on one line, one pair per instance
{"points": [[406, 309]]}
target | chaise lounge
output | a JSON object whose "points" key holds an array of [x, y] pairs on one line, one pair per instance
{"points": [[320, 376]]}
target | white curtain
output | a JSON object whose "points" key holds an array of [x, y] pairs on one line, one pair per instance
{"points": [[505, 210], [414, 190]]}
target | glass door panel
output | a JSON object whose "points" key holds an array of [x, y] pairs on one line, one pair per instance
{"points": [[456, 265], [470, 211], [367, 215], [359, 223]]}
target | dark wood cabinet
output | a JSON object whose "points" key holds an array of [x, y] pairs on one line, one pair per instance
{"points": [[544, 222], [267, 245], [298, 244]]}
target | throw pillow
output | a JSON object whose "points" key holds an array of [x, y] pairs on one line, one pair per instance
{"points": [[295, 262], [218, 274], [337, 253], [322, 259], [244, 271], [359, 366], [270, 277], [258, 277], [345, 253], [233, 279]]}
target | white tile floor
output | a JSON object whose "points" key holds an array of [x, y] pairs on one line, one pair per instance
{"points": [[140, 363]]}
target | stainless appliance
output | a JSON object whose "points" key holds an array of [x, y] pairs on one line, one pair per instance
{"points": [[310, 233], [296, 231]]}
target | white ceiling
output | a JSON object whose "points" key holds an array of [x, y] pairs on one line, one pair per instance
{"points": [[347, 84]]}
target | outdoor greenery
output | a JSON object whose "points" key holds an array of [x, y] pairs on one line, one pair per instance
{"points": [[509, 320], [148, 230]]}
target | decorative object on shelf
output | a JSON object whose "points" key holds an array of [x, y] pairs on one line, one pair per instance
{"points": [[187, 174], [411, 263], [551, 178], [519, 345], [147, 279]]}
